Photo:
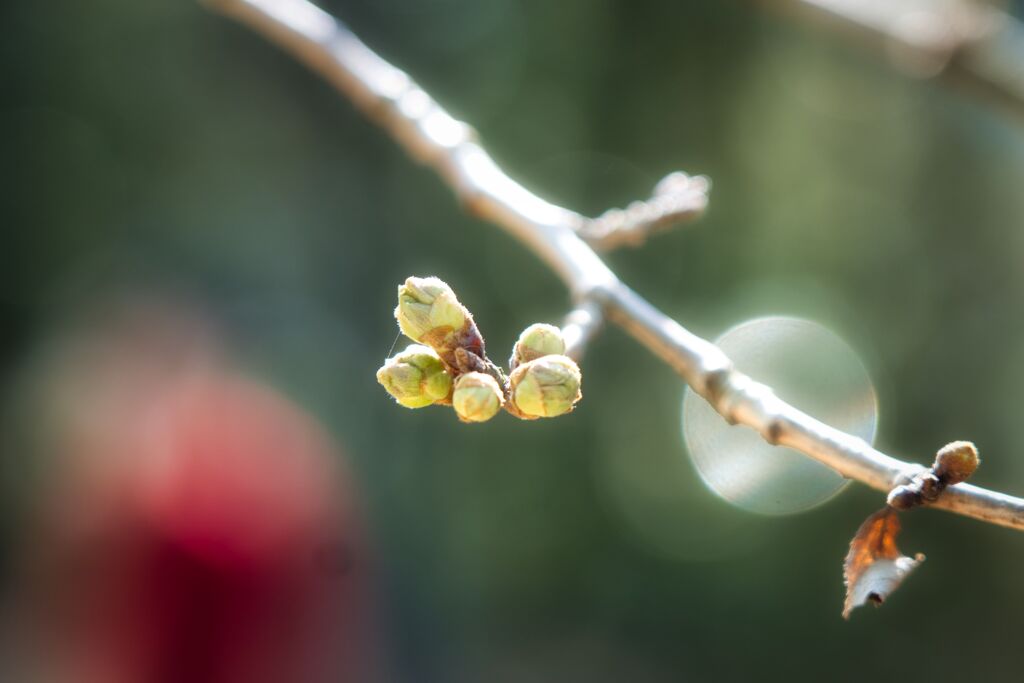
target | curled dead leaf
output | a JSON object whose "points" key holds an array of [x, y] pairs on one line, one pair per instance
{"points": [[874, 567]]}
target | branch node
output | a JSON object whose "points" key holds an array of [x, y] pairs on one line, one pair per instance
{"points": [[715, 383], [954, 463]]}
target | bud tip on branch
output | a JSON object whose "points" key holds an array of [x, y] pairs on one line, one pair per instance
{"points": [[427, 306]]}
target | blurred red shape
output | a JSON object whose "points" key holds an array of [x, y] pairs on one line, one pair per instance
{"points": [[200, 530]]}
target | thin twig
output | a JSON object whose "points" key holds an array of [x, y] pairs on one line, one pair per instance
{"points": [[390, 98], [677, 198]]}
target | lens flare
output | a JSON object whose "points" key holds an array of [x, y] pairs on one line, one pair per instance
{"points": [[811, 368]]}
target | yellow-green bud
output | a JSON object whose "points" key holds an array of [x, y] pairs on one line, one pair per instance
{"points": [[536, 341], [477, 397], [415, 377], [426, 305], [546, 387]]}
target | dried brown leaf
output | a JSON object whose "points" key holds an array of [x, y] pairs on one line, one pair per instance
{"points": [[874, 567]]}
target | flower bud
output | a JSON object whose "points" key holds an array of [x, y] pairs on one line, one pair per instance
{"points": [[428, 307], [477, 397], [415, 377], [955, 462], [546, 387], [536, 341]]}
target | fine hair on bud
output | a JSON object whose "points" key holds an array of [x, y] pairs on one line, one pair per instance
{"points": [[546, 387], [477, 397], [536, 341], [428, 308], [416, 377]]}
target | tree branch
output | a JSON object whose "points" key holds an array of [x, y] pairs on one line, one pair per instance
{"points": [[967, 43], [391, 99], [580, 326]]}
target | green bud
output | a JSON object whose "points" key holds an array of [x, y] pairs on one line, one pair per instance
{"points": [[477, 397], [428, 307], [546, 387], [415, 377], [536, 341], [955, 462]]}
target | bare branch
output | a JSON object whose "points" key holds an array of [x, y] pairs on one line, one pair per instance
{"points": [[580, 326], [390, 98]]}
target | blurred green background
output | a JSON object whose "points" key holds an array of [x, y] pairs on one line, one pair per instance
{"points": [[157, 148]]}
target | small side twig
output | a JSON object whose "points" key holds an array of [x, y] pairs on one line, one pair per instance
{"points": [[677, 198]]}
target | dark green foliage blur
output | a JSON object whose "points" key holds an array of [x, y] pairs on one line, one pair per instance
{"points": [[156, 149]]}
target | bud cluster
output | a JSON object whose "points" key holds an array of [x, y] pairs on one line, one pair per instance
{"points": [[449, 366], [954, 463]]}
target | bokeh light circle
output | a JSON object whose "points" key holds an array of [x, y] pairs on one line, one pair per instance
{"points": [[811, 368]]}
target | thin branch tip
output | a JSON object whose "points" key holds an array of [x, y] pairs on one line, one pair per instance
{"points": [[677, 198]]}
